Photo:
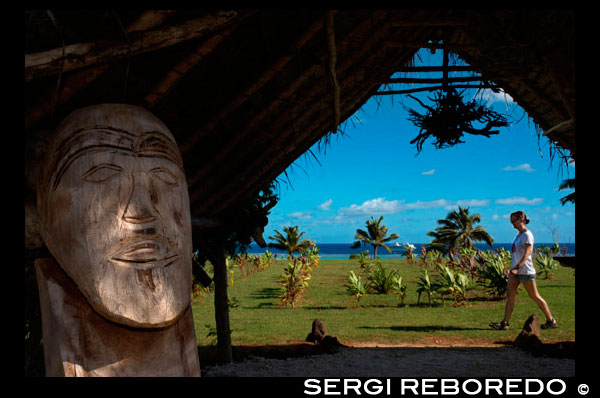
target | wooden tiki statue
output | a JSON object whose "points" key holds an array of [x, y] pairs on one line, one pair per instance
{"points": [[113, 209]]}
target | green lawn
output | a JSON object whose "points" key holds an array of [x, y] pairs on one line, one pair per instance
{"points": [[257, 318]]}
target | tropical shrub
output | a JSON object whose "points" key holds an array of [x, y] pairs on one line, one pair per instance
{"points": [[293, 282], [546, 265], [364, 259], [452, 283], [266, 260], [380, 280], [356, 287], [409, 252], [312, 256], [433, 257], [493, 275], [426, 285], [400, 289]]}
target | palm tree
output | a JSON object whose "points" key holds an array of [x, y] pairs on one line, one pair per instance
{"points": [[567, 184], [375, 235], [457, 230], [291, 242]]}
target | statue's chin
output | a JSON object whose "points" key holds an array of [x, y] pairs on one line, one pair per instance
{"points": [[146, 319]]}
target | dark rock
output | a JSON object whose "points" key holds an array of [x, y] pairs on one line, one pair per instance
{"points": [[530, 337], [319, 331]]}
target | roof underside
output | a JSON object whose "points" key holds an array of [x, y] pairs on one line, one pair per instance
{"points": [[245, 93]]}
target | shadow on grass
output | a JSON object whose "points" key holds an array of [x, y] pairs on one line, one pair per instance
{"points": [[329, 307], [429, 328], [266, 293]]}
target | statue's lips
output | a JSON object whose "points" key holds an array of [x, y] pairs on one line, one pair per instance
{"points": [[146, 254]]}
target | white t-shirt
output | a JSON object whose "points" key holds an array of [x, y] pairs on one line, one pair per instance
{"points": [[518, 250]]}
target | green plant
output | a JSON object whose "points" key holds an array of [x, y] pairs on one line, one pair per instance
{"points": [[364, 259], [293, 281], [493, 274], [409, 252], [546, 265], [231, 265], [432, 257], [400, 289], [452, 283], [426, 285], [356, 287], [266, 260], [380, 280]]}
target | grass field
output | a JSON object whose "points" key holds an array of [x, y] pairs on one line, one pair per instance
{"points": [[257, 318]]}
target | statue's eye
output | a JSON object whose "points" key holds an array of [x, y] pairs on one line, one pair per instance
{"points": [[165, 176], [101, 173]]}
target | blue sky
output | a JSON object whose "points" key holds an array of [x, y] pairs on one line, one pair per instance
{"points": [[373, 170]]}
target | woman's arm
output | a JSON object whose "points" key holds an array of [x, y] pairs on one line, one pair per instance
{"points": [[528, 250]]}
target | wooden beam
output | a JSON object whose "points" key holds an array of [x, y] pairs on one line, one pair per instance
{"points": [[435, 69], [432, 80], [175, 75], [76, 56], [307, 82], [433, 88], [332, 73], [271, 72], [424, 23], [262, 165], [79, 80]]}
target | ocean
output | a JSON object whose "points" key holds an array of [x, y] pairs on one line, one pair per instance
{"points": [[336, 251]]}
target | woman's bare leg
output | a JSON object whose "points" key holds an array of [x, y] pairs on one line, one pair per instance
{"points": [[531, 288], [511, 297]]}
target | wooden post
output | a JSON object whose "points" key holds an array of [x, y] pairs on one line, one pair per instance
{"points": [[221, 303]]}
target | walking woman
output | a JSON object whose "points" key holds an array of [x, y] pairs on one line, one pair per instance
{"points": [[522, 271]]}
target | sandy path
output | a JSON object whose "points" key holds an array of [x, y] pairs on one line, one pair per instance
{"points": [[422, 359]]}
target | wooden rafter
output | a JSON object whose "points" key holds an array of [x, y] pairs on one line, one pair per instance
{"points": [[79, 80], [317, 115], [175, 75], [304, 82], [80, 55], [434, 88]]}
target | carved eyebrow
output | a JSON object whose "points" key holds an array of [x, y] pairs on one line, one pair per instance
{"points": [[156, 144], [112, 139]]}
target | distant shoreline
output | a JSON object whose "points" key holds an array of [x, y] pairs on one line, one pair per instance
{"points": [[343, 250]]}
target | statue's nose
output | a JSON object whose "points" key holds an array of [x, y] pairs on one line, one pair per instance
{"points": [[140, 207]]}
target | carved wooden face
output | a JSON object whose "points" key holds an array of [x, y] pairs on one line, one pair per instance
{"points": [[115, 214]]}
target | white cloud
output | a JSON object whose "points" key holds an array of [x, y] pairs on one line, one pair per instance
{"points": [[301, 215], [522, 167], [495, 217], [371, 207], [325, 205], [473, 202], [491, 97], [519, 200], [380, 206], [427, 205], [428, 172]]}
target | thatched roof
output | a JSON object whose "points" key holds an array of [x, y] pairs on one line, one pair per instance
{"points": [[246, 93]]}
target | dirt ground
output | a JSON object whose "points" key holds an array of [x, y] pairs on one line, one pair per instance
{"points": [[430, 357]]}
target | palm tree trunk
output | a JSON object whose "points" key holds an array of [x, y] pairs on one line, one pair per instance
{"points": [[375, 251]]}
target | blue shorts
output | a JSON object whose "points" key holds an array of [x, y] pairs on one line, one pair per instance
{"points": [[523, 278]]}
